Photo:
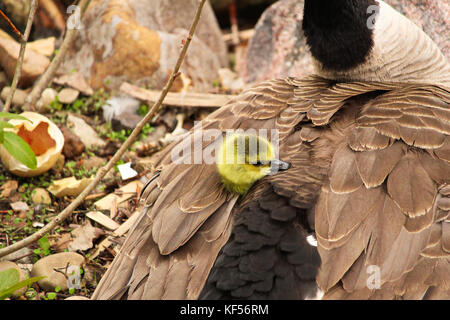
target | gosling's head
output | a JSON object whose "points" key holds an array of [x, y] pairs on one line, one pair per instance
{"points": [[243, 159]]}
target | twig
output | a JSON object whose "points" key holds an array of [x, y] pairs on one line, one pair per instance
{"points": [[23, 44], [42, 83], [102, 172], [13, 27]]}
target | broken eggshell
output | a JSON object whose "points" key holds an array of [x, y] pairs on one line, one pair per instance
{"points": [[44, 138]]}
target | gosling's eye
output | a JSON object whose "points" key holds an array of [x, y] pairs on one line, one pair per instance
{"points": [[259, 163]]}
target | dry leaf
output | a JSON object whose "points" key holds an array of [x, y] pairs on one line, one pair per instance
{"points": [[61, 243], [19, 206], [8, 188], [84, 236], [69, 187]]}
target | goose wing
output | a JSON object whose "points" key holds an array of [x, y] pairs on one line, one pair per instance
{"points": [[382, 219], [187, 215]]}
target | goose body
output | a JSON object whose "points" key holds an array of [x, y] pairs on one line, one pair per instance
{"points": [[369, 178]]}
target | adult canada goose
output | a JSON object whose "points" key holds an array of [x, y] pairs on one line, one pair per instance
{"points": [[369, 148]]}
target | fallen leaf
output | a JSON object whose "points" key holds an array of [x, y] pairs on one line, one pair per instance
{"points": [[19, 206], [61, 242], [84, 236], [69, 187], [8, 188]]}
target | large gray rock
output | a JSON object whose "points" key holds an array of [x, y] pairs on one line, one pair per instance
{"points": [[139, 41], [278, 47]]}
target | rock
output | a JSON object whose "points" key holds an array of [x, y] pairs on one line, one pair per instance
{"points": [[153, 31], [68, 95], [73, 146], [47, 97], [127, 120], [34, 64], [93, 162], [45, 47], [5, 265], [122, 112], [19, 96], [76, 298], [230, 80], [431, 16], [87, 135], [40, 195], [59, 261], [23, 256], [278, 47]]}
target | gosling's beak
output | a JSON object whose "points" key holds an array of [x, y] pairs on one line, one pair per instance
{"points": [[278, 165]]}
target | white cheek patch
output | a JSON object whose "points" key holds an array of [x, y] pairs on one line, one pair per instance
{"points": [[311, 240]]}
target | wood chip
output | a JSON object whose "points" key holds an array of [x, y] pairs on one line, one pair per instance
{"points": [[102, 219], [181, 99], [126, 192]]}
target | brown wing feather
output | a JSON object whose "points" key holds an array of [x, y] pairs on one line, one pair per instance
{"points": [[188, 215], [408, 221]]}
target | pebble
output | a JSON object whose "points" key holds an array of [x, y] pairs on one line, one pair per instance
{"points": [[68, 95], [40, 195], [59, 261], [5, 265]]}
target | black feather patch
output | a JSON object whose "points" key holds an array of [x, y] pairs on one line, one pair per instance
{"points": [[337, 32]]}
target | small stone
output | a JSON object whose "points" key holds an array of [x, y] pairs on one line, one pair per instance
{"points": [[47, 97], [40, 195], [5, 265], [64, 261], [20, 256], [68, 95], [73, 146], [76, 298], [126, 120], [19, 96], [87, 135]]}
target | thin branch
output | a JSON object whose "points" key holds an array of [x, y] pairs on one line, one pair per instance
{"points": [[102, 172], [47, 77], [23, 44], [11, 24]]}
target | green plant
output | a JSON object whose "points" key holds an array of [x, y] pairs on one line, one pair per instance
{"points": [[44, 247], [14, 144], [10, 282], [50, 296]]}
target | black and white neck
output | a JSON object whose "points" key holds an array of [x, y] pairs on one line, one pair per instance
{"points": [[368, 40]]}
